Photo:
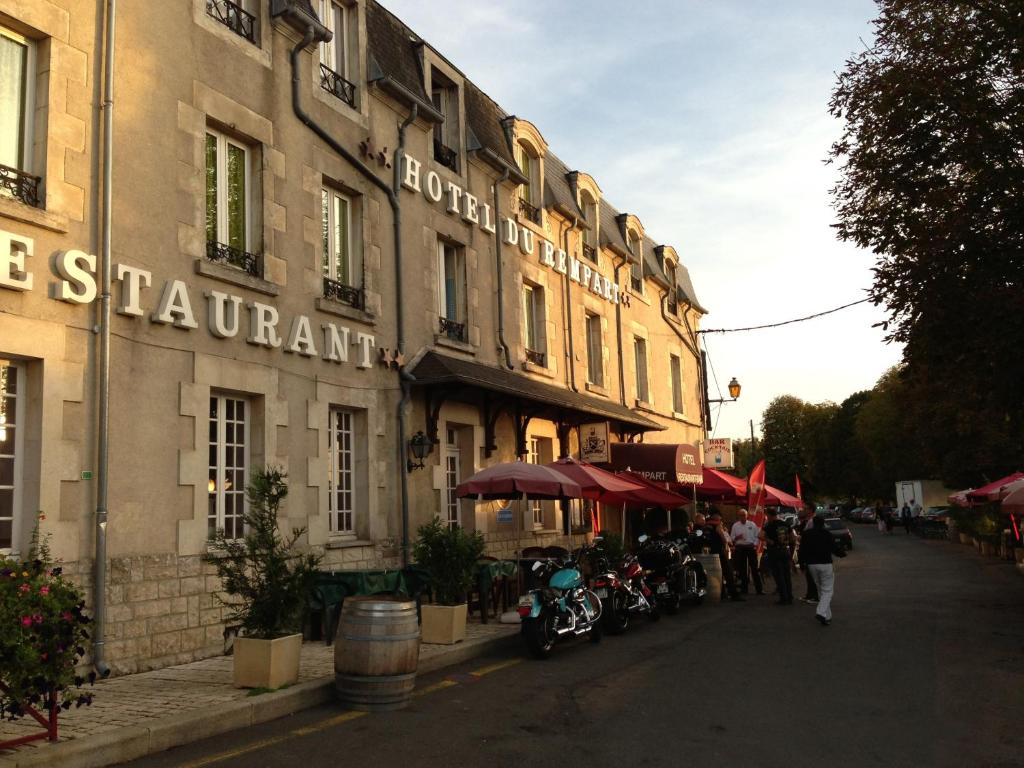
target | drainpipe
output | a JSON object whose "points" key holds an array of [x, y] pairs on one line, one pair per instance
{"points": [[691, 345], [618, 334], [567, 307], [405, 379], [497, 251], [103, 394]]}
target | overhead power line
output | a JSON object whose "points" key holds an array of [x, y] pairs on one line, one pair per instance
{"points": [[785, 322]]}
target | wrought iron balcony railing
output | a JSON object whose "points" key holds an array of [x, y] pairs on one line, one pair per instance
{"points": [[234, 17], [247, 262], [337, 85], [446, 156], [537, 358], [529, 211], [453, 330], [590, 252], [20, 185], [346, 294]]}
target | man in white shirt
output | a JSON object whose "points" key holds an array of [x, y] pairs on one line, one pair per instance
{"points": [[745, 534]]}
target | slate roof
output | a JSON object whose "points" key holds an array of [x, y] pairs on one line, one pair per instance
{"points": [[436, 368], [394, 51]]}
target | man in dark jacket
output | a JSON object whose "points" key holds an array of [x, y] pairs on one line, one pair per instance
{"points": [[816, 548], [806, 519], [779, 540]]}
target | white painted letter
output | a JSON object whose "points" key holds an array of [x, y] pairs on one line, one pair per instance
{"points": [[587, 272], [79, 283], [365, 343], [263, 325], [615, 293], [607, 286], [526, 241], [595, 286], [454, 196], [574, 270], [300, 337], [487, 223], [175, 308], [335, 343], [470, 209], [563, 262], [223, 325], [132, 281], [13, 250], [547, 254], [511, 232], [411, 173], [433, 191]]}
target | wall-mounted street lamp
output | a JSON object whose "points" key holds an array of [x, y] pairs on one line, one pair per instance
{"points": [[734, 393], [420, 446]]}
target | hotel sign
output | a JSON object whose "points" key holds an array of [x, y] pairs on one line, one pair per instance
{"points": [[227, 316], [461, 203], [594, 443]]}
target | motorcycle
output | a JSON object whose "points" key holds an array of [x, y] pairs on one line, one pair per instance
{"points": [[693, 580], [663, 565], [639, 597], [564, 607], [611, 590]]}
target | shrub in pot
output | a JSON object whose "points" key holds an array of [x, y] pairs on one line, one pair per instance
{"points": [[449, 555], [43, 634], [266, 583]]}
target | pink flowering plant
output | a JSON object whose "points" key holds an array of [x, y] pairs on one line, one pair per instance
{"points": [[43, 632]]}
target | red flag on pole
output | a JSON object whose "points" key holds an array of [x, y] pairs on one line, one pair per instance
{"points": [[798, 494], [755, 494]]}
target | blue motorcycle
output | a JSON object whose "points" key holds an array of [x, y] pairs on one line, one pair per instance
{"points": [[564, 607]]}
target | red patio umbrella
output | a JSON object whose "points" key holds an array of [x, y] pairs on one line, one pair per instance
{"points": [[653, 495], [982, 494], [1013, 501], [518, 479], [773, 497], [720, 486], [598, 484]]}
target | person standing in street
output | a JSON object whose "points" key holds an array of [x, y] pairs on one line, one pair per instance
{"points": [[779, 540], [880, 517], [905, 516], [811, 592], [816, 549], [745, 536], [719, 542]]}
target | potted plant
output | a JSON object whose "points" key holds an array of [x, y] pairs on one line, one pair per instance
{"points": [[267, 586], [43, 633], [449, 555]]}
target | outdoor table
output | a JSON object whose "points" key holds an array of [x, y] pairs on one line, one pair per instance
{"points": [[488, 572], [330, 588]]}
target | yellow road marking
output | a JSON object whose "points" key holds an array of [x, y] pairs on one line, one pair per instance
{"points": [[435, 687], [495, 667], [330, 722], [220, 756]]}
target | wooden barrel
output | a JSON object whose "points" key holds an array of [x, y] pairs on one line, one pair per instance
{"points": [[376, 651], [713, 569]]}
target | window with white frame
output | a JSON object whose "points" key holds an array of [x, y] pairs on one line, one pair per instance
{"points": [[337, 236], [636, 265], [452, 476], [12, 438], [341, 483], [17, 91], [643, 393], [336, 76], [228, 197], [533, 323], [533, 457], [228, 465], [675, 368], [451, 267], [595, 351]]}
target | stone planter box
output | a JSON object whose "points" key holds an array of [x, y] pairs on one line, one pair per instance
{"points": [[267, 663], [988, 549]]}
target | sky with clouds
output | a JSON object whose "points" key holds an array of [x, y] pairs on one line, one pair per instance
{"points": [[708, 120]]}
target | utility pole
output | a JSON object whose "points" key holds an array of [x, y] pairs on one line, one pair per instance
{"points": [[752, 443]]}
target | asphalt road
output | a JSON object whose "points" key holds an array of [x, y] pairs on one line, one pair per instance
{"points": [[921, 666]]}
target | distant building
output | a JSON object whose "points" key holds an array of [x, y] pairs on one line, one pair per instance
{"points": [[257, 313]]}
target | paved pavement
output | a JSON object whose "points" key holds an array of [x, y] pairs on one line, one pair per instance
{"points": [[135, 714], [921, 667]]}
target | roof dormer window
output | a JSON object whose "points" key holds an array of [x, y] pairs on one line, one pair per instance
{"points": [[529, 193], [590, 234], [445, 96], [636, 264], [673, 289]]}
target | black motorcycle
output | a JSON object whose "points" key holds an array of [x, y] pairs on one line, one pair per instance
{"points": [[663, 567]]}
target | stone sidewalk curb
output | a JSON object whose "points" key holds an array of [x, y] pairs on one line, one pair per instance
{"points": [[133, 742]]}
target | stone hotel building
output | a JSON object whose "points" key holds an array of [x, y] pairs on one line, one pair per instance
{"points": [[295, 234]]}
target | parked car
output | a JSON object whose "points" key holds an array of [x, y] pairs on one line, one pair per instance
{"points": [[867, 515], [840, 533], [854, 514]]}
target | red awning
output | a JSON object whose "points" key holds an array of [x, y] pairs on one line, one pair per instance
{"points": [[653, 495], [721, 486], [599, 484], [773, 497], [982, 494]]}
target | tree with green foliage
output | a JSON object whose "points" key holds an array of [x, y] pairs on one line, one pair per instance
{"points": [[782, 430], [932, 181]]}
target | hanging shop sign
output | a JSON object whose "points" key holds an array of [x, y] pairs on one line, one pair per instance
{"points": [[226, 317], [718, 453], [594, 443], [463, 204]]}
